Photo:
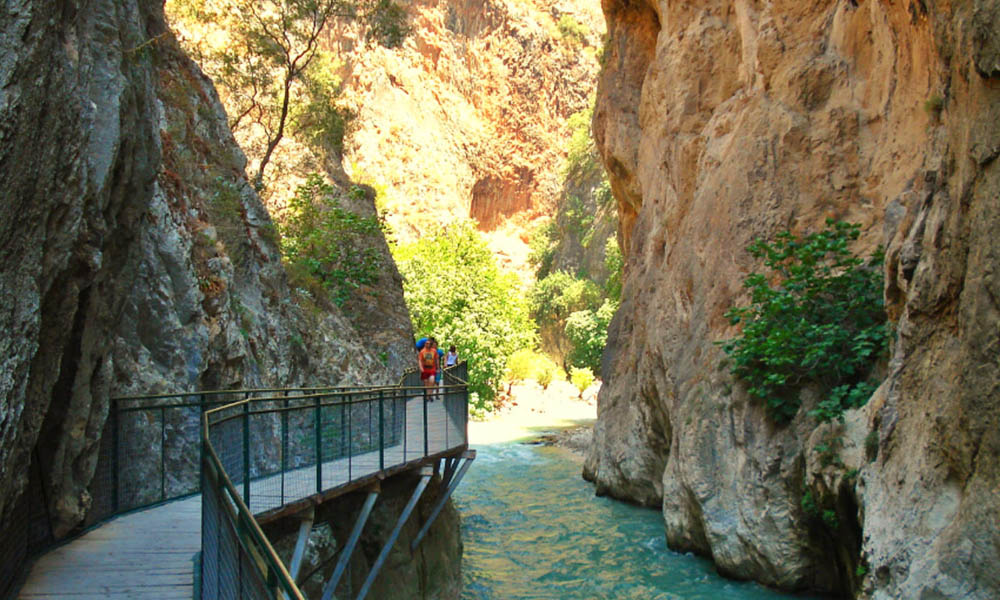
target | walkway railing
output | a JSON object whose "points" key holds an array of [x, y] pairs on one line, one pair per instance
{"points": [[263, 454], [151, 447]]}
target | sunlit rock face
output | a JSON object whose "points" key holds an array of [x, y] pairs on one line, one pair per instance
{"points": [[137, 259], [725, 121], [468, 117]]}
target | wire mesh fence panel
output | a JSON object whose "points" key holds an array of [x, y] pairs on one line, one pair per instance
{"points": [[275, 447], [228, 566], [103, 487], [252, 585], [210, 549]]}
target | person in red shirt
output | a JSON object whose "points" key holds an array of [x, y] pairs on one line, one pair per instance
{"points": [[427, 362]]}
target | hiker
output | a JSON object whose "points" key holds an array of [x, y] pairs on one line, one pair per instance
{"points": [[452, 359], [438, 375], [427, 362]]}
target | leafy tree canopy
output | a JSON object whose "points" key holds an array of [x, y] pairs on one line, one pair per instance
{"points": [[456, 292], [323, 242], [275, 76], [557, 296], [587, 331]]}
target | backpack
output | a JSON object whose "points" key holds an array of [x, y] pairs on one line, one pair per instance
{"points": [[427, 359]]}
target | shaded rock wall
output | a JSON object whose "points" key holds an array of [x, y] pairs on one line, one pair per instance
{"points": [[431, 572], [723, 121], [137, 259]]}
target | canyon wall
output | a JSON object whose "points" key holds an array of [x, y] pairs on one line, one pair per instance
{"points": [[468, 117], [722, 121], [136, 256]]}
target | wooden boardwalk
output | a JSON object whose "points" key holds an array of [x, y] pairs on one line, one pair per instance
{"points": [[151, 553]]}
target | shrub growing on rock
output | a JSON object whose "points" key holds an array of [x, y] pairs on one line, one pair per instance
{"points": [[817, 317], [333, 246]]}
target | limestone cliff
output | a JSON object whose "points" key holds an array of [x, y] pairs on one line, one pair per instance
{"points": [[468, 117], [721, 121], [136, 257]]}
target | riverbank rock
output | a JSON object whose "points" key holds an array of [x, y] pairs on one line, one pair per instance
{"points": [[722, 122]]}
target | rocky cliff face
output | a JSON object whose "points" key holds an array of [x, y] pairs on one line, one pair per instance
{"points": [[137, 258], [723, 121], [468, 117]]}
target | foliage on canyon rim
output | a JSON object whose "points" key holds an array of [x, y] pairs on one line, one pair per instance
{"points": [[268, 60], [574, 310], [456, 292], [817, 317], [327, 244]]}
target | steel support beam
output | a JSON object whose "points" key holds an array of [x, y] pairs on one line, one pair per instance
{"points": [[425, 477], [305, 528], [469, 456], [449, 470], [352, 541]]}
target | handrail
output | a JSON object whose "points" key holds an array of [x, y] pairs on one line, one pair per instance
{"points": [[170, 427], [284, 579], [234, 421]]}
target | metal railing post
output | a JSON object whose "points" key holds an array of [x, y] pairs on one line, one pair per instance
{"points": [[246, 452], [163, 453], [425, 422], [284, 446], [201, 446], [319, 445], [343, 429], [350, 433], [381, 432], [114, 455]]}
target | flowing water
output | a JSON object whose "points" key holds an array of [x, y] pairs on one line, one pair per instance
{"points": [[534, 529]]}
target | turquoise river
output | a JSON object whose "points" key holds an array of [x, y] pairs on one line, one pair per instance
{"points": [[533, 528]]}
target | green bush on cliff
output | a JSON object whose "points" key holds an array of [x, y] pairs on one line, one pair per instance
{"points": [[587, 331], [816, 318], [456, 292], [334, 246], [572, 30], [557, 296]]}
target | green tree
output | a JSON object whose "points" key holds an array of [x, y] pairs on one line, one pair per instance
{"points": [[543, 246], [587, 331], [271, 66], [456, 292], [556, 297], [581, 155], [581, 378], [332, 245], [520, 366], [817, 317], [546, 370], [615, 264]]}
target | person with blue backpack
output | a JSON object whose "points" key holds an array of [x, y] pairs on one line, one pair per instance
{"points": [[427, 361]]}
